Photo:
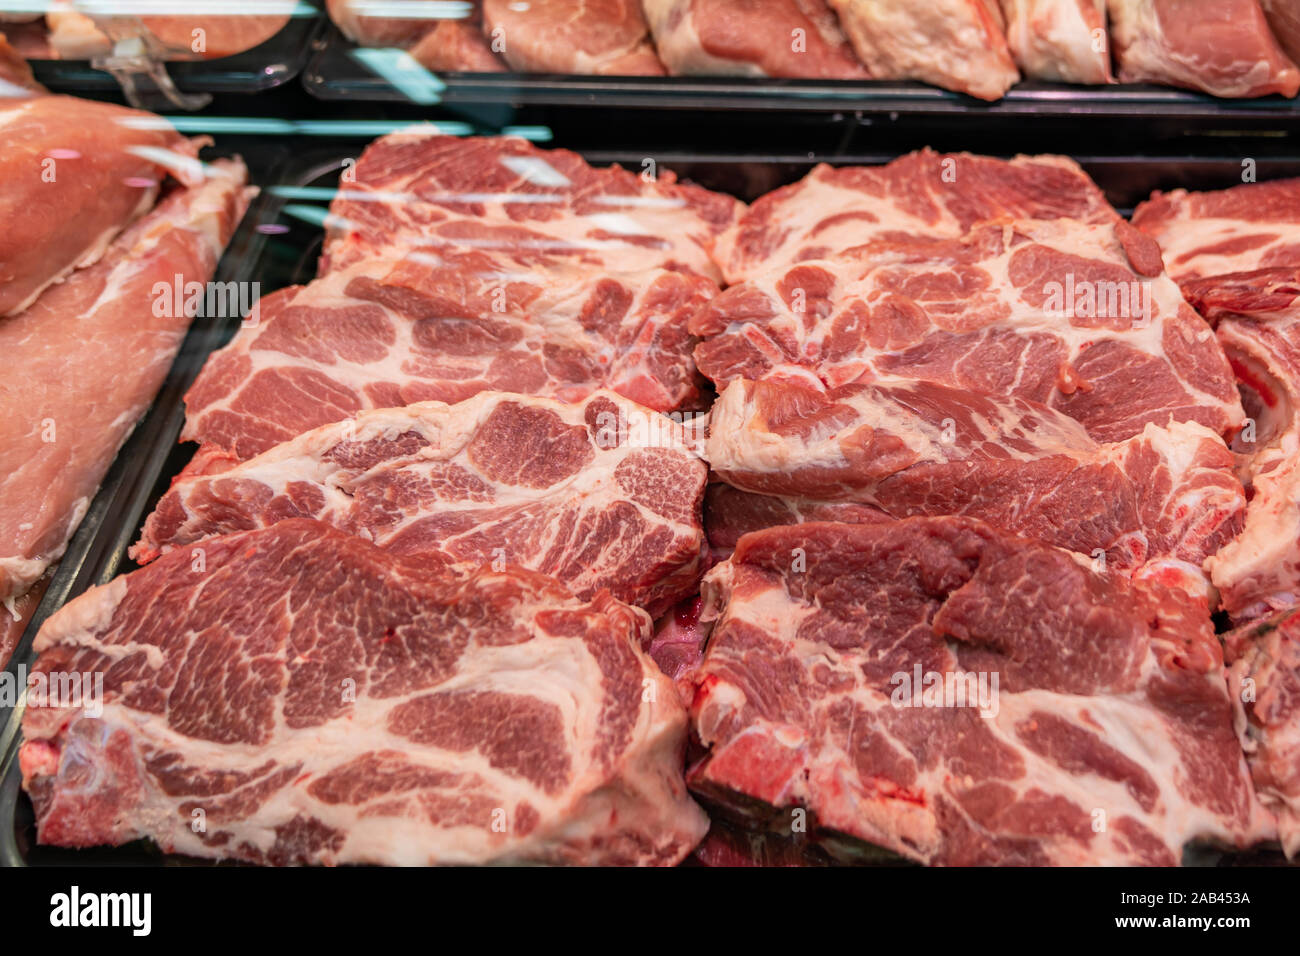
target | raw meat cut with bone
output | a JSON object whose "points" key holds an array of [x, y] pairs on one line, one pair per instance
{"points": [[323, 701], [1264, 679], [94, 351], [1247, 227], [920, 194], [1258, 325], [416, 190], [581, 492], [851, 671], [384, 333], [1159, 503], [753, 38], [608, 37], [956, 44], [65, 160], [1075, 316], [1064, 40], [1222, 47]]}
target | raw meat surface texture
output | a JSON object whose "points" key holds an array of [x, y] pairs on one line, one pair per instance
{"points": [[752, 38], [416, 190], [607, 37], [1159, 503], [320, 700], [851, 671], [1074, 316], [1264, 678], [1222, 47], [600, 494], [382, 334], [65, 160], [1247, 227], [1284, 18], [956, 44], [457, 45], [917, 195], [1061, 40], [1258, 319], [94, 351]]}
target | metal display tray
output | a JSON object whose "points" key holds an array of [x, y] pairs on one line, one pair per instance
{"points": [[269, 64], [337, 73], [278, 244]]}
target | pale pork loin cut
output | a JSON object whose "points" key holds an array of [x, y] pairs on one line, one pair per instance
{"points": [[960, 696], [752, 38], [65, 160], [456, 45], [1075, 316], [416, 190], [1157, 504], [920, 194], [1222, 47], [1264, 678], [1258, 324], [1063, 40], [314, 699], [93, 351], [1248, 227], [384, 333], [600, 494], [572, 36], [956, 44]]}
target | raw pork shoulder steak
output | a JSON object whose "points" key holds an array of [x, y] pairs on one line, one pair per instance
{"points": [[607, 37], [383, 333], [1075, 316], [582, 492], [917, 195], [1265, 679], [956, 44], [1063, 40], [851, 671], [322, 701], [1223, 47], [791, 38], [1255, 226], [416, 189], [1162, 501]]}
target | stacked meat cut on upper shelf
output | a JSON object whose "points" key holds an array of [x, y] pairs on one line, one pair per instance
{"points": [[1237, 48], [100, 204], [935, 575]]}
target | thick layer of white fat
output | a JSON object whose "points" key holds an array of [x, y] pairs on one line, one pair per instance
{"points": [[944, 42], [1186, 233], [84, 615], [679, 45], [1052, 39], [1269, 544]]}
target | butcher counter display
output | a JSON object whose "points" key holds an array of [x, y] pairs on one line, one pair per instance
{"points": [[929, 512], [1226, 48]]}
